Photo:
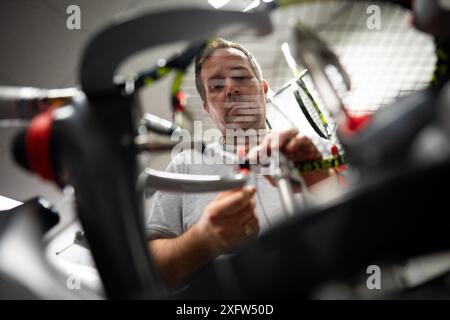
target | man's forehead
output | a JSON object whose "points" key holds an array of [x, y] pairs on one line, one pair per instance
{"points": [[230, 58], [228, 52]]}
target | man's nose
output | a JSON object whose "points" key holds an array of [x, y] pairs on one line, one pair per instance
{"points": [[231, 87]]}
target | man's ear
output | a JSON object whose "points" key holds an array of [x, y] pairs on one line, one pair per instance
{"points": [[265, 86], [205, 106]]}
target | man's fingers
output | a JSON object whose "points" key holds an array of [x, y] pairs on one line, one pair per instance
{"points": [[240, 225], [252, 220], [274, 141], [242, 215], [250, 227], [232, 203], [227, 193], [278, 140], [302, 149], [283, 139]]}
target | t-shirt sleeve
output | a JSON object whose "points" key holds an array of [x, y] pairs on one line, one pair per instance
{"points": [[166, 214]]}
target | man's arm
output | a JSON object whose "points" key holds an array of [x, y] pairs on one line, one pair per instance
{"points": [[224, 224], [179, 257]]}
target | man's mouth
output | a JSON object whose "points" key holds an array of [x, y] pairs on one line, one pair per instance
{"points": [[242, 109], [232, 109]]}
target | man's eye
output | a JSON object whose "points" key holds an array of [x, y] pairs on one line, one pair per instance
{"points": [[241, 78], [216, 87]]}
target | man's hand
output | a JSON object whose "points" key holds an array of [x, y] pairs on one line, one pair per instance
{"points": [[296, 148], [229, 219]]}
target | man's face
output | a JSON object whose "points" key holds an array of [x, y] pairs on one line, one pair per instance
{"points": [[235, 98]]}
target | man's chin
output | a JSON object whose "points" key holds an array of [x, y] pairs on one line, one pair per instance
{"points": [[245, 131]]}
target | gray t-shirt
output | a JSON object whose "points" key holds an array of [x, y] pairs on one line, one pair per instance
{"points": [[174, 213]]}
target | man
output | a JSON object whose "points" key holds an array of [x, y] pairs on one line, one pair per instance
{"points": [[187, 231]]}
